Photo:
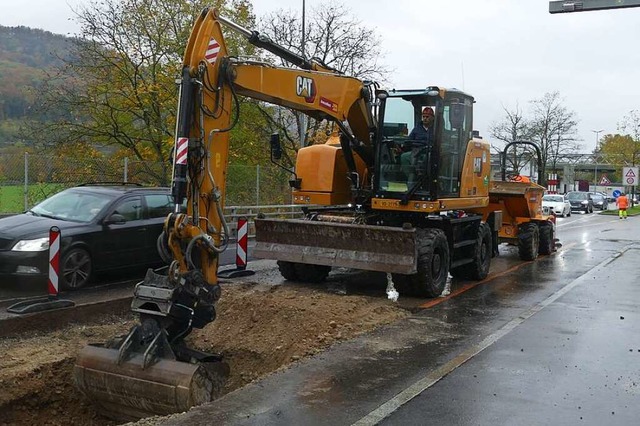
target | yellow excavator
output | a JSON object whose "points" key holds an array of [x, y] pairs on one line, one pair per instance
{"points": [[374, 198]]}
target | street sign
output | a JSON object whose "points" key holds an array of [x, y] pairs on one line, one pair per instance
{"points": [[630, 176], [604, 180], [616, 193]]}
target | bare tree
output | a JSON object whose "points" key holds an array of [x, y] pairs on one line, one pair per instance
{"points": [[554, 129], [333, 38], [514, 126]]}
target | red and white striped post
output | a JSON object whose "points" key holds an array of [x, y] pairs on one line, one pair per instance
{"points": [[242, 246], [52, 301], [552, 183], [54, 261]]}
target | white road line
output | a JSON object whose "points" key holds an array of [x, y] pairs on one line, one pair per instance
{"points": [[386, 409]]}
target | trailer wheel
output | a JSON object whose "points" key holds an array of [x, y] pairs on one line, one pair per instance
{"points": [[433, 266], [287, 270], [482, 253], [528, 241], [311, 273], [546, 238]]}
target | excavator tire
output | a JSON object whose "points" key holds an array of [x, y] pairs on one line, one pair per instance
{"points": [[433, 266], [312, 273], [482, 252], [288, 270], [528, 241], [547, 243]]}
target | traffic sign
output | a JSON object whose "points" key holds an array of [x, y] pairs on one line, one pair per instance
{"points": [[630, 176], [616, 193], [604, 180]]}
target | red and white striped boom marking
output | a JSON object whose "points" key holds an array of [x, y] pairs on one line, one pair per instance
{"points": [[212, 51], [182, 147], [54, 260]]}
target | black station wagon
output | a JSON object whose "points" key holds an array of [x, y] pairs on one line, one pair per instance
{"points": [[102, 228]]}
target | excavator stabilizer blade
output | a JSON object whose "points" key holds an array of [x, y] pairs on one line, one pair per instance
{"points": [[368, 247], [127, 391]]}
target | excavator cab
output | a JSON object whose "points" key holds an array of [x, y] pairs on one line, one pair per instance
{"points": [[410, 168]]}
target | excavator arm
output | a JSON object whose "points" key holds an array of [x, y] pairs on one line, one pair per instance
{"points": [[151, 371]]}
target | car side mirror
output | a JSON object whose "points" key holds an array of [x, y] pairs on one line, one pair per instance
{"points": [[115, 219]]}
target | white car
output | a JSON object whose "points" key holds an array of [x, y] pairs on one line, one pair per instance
{"points": [[557, 204]]}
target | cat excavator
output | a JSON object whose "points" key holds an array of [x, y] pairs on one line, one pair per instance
{"points": [[373, 198]]}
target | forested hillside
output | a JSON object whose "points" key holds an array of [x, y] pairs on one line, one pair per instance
{"points": [[25, 55]]}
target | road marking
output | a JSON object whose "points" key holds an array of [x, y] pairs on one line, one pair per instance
{"points": [[433, 302], [386, 409]]}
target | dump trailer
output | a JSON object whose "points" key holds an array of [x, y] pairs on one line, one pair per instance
{"points": [[524, 222]]}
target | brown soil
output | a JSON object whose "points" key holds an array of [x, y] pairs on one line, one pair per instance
{"points": [[260, 329]]}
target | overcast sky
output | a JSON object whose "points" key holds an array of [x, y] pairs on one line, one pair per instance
{"points": [[502, 52]]}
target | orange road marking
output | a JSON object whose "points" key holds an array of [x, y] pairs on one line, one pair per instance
{"points": [[433, 302]]}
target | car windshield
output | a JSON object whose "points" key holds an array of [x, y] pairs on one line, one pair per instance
{"points": [[597, 197], [553, 198], [74, 206], [576, 196]]}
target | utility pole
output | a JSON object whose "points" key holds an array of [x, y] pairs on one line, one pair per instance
{"points": [[302, 119]]}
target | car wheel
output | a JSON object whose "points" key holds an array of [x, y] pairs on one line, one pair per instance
{"points": [[75, 269]]}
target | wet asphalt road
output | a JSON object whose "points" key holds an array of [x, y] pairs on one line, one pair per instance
{"points": [[550, 342]]}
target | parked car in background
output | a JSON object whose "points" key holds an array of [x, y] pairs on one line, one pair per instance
{"points": [[557, 204], [102, 228], [600, 201], [580, 201]]}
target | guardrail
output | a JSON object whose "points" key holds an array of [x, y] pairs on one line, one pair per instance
{"points": [[232, 213]]}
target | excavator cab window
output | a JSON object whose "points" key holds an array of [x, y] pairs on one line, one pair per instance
{"points": [[457, 119], [403, 160]]}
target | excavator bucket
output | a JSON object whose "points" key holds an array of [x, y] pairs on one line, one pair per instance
{"points": [[128, 387], [368, 247]]}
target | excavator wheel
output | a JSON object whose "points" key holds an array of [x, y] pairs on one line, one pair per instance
{"points": [[547, 243], [288, 270], [528, 241], [312, 273], [433, 266], [479, 268]]}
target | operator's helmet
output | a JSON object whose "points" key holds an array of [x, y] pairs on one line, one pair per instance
{"points": [[428, 111]]}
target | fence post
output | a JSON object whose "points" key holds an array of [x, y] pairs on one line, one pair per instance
{"points": [[126, 169], [258, 185], [26, 181]]}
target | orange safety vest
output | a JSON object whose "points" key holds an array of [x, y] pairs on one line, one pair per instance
{"points": [[520, 178], [622, 201]]}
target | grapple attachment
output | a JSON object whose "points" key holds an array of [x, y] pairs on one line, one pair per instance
{"points": [[368, 247]]}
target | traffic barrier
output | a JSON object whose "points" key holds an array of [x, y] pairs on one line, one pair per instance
{"points": [[52, 301], [242, 246]]}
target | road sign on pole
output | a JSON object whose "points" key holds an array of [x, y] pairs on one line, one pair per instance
{"points": [[630, 176], [604, 180]]}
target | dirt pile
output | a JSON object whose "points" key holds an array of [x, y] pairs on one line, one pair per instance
{"points": [[260, 329]]}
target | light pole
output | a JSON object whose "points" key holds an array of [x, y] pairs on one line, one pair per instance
{"points": [[595, 174]]}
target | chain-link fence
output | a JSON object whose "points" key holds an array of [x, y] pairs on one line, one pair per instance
{"points": [[27, 179]]}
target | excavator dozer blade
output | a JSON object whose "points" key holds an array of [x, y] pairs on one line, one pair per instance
{"points": [[368, 247], [126, 391]]}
